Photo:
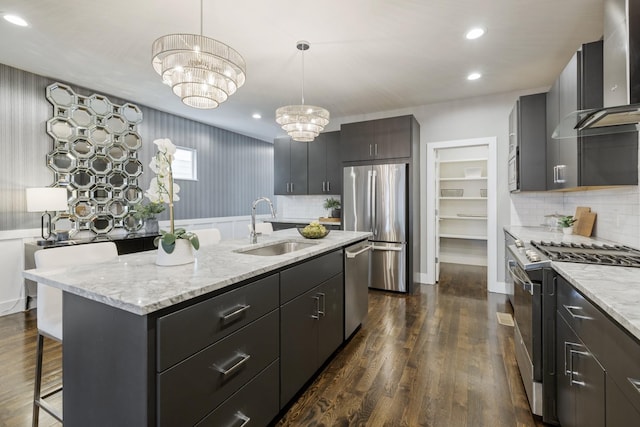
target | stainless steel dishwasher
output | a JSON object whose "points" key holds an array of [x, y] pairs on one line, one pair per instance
{"points": [[357, 278]]}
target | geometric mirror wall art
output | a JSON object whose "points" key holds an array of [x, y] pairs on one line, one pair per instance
{"points": [[95, 157]]}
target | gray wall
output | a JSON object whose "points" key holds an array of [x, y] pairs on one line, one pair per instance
{"points": [[233, 169]]}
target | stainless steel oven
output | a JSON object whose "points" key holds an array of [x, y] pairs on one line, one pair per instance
{"points": [[534, 325], [527, 310]]}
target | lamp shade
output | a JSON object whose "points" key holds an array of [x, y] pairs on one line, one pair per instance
{"points": [[47, 199]]}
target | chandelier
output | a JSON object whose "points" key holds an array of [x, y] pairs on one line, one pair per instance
{"points": [[302, 122], [203, 72]]}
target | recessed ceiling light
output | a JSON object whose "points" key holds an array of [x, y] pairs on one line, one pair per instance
{"points": [[256, 116], [16, 20], [474, 76], [475, 33]]}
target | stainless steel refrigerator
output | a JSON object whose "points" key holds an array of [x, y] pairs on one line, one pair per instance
{"points": [[375, 200]]}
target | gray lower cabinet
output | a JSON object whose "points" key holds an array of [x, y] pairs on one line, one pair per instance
{"points": [[580, 387], [311, 320], [598, 374]]}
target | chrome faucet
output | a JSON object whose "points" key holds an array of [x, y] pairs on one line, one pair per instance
{"points": [[253, 236]]}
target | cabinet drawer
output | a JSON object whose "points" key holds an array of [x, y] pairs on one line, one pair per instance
{"points": [[620, 410], [589, 323], [255, 404], [302, 277], [193, 388], [191, 329]]}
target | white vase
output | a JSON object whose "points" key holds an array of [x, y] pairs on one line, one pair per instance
{"points": [[183, 253], [567, 230]]}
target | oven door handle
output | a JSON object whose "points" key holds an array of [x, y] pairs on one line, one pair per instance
{"points": [[518, 275]]}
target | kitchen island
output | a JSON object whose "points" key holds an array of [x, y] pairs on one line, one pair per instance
{"points": [[204, 343]]}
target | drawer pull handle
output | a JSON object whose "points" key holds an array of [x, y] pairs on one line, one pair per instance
{"points": [[570, 309], [571, 371], [236, 311], [634, 383], [242, 417], [243, 359], [317, 315], [322, 312]]}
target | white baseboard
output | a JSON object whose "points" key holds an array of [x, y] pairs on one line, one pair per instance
{"points": [[498, 288], [10, 307], [422, 278]]}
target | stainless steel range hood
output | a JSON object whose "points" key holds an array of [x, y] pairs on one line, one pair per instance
{"points": [[621, 85]]}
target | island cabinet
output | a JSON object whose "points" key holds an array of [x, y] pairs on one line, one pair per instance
{"points": [[598, 381], [389, 138], [324, 167], [290, 167], [583, 159], [311, 320]]}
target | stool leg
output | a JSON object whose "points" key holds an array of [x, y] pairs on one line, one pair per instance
{"points": [[38, 380]]}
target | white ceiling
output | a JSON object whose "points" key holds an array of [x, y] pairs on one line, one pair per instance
{"points": [[366, 56]]}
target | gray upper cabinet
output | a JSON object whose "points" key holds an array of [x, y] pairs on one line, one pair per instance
{"points": [[585, 160], [324, 167], [289, 167], [527, 143], [388, 138]]}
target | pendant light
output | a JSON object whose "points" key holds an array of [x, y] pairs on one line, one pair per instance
{"points": [[302, 122], [203, 72]]}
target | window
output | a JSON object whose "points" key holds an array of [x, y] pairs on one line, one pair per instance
{"points": [[185, 163]]}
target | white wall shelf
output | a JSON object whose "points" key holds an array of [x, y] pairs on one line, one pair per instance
{"points": [[481, 178], [462, 236]]}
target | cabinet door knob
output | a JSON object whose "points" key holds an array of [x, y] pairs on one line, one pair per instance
{"points": [[635, 383], [328, 186], [242, 417], [323, 189]]}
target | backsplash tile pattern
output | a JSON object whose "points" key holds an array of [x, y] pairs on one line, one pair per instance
{"points": [[302, 206], [618, 211]]}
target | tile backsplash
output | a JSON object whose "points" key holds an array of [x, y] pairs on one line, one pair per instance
{"points": [[302, 206], [618, 210]]}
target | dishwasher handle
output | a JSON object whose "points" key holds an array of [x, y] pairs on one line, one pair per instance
{"points": [[356, 253]]}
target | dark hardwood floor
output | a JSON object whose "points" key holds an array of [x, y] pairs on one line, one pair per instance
{"points": [[437, 358]]}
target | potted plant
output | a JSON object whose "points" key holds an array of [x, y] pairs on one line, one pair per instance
{"points": [[175, 246], [334, 205], [566, 222], [147, 213]]}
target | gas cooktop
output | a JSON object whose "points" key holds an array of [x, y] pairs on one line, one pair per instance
{"points": [[602, 254]]}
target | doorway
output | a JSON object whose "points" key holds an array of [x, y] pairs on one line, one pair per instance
{"points": [[458, 205]]}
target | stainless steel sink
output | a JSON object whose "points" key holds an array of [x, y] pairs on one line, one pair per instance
{"points": [[279, 248]]}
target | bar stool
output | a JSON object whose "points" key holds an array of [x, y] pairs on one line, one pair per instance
{"points": [[49, 307]]}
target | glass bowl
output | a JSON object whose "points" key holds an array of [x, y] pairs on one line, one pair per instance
{"points": [[312, 236]]}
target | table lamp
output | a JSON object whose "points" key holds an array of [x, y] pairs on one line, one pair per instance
{"points": [[47, 199]]}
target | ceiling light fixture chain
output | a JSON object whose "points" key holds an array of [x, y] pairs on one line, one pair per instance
{"points": [[302, 122], [202, 71]]}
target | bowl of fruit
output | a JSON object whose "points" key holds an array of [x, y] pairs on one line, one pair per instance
{"points": [[315, 230]]}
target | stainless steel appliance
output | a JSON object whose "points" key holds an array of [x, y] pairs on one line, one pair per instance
{"points": [[375, 200], [534, 307], [603, 254], [357, 277], [526, 270]]}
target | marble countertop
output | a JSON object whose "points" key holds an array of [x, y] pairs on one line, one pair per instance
{"points": [[616, 290], [136, 284]]}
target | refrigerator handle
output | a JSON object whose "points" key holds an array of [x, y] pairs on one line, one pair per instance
{"points": [[374, 190]]}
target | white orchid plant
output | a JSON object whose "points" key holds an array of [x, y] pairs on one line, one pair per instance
{"points": [[162, 189]]}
